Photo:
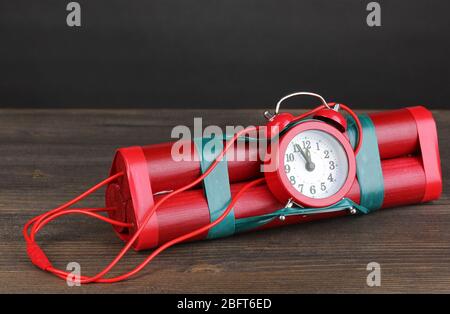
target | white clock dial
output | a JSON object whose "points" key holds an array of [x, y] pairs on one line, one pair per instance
{"points": [[316, 164]]}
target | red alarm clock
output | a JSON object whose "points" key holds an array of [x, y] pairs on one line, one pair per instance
{"points": [[316, 163]]}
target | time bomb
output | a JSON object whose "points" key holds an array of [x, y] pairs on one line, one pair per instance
{"points": [[329, 162]]}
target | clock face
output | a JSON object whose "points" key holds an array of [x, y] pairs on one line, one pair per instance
{"points": [[316, 164]]}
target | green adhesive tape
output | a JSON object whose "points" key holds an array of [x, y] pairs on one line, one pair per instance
{"points": [[368, 163], [216, 186]]}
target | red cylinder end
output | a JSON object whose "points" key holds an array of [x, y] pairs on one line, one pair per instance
{"points": [[132, 197]]}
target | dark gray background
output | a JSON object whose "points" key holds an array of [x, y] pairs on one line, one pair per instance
{"points": [[227, 53]]}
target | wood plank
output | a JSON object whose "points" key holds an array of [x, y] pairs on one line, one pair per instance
{"points": [[49, 156]]}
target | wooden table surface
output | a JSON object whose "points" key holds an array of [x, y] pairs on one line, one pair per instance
{"points": [[49, 156]]}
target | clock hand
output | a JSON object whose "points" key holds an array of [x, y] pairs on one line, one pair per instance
{"points": [[309, 165], [304, 154]]}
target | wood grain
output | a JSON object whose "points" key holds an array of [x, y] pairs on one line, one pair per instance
{"points": [[49, 156]]}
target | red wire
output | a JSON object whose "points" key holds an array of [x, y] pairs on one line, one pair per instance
{"points": [[36, 220], [358, 125], [156, 252], [84, 212], [40, 221]]}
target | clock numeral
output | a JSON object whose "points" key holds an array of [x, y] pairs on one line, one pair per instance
{"points": [[306, 145], [301, 188], [323, 187], [332, 165], [330, 178], [287, 168], [289, 157], [297, 148], [326, 153], [292, 179], [317, 146], [312, 189]]}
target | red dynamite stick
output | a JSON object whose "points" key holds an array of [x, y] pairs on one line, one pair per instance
{"points": [[396, 132]]}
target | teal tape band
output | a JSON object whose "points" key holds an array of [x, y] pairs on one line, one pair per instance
{"points": [[250, 223], [368, 163], [216, 186]]}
